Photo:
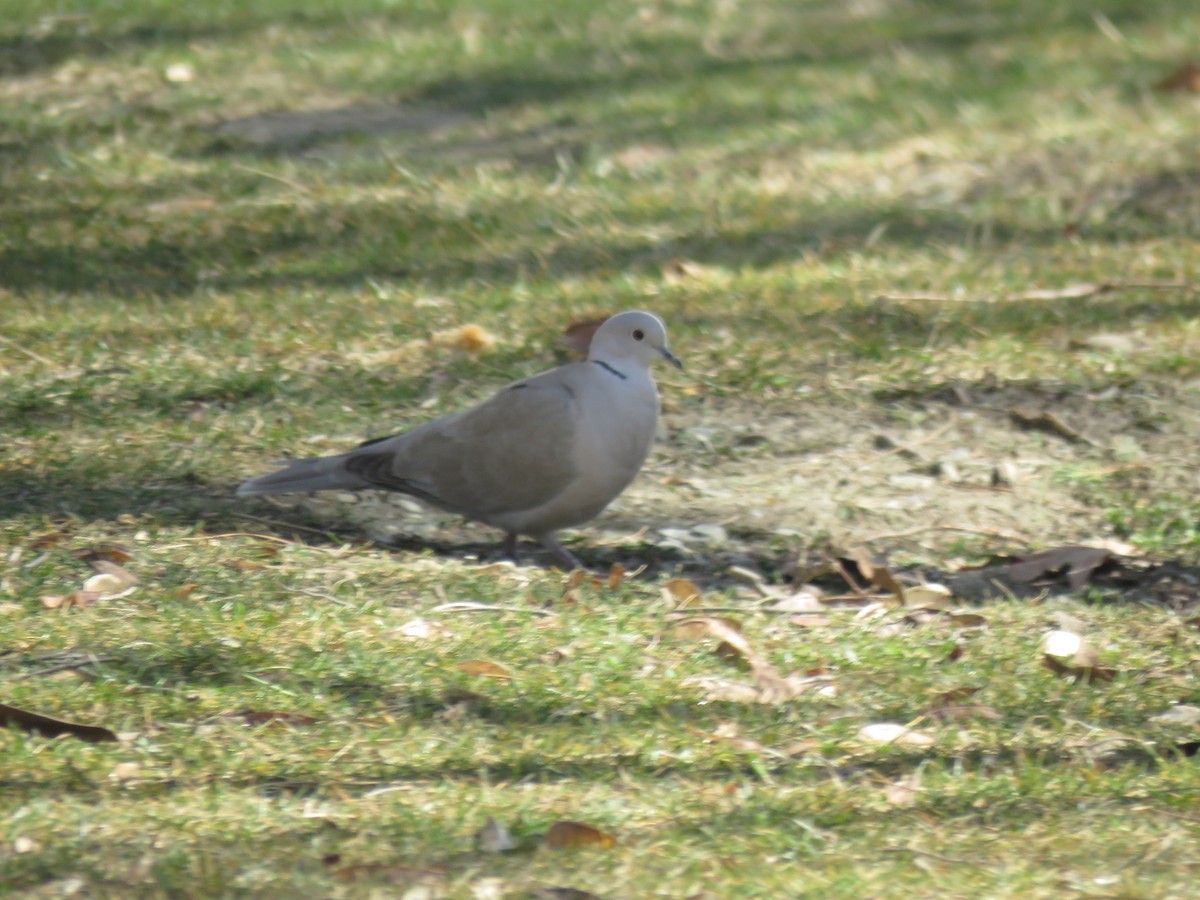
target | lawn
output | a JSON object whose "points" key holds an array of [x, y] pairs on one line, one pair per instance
{"points": [[931, 268]]}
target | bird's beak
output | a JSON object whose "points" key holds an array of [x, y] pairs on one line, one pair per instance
{"points": [[670, 357]]}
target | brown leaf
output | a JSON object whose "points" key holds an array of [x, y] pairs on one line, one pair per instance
{"points": [[47, 540], [1186, 79], [882, 578], [469, 338], [485, 668], [681, 592], [565, 835], [49, 727], [108, 553], [616, 575], [968, 620]]}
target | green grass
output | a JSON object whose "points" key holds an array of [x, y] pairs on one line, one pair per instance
{"points": [[187, 293]]}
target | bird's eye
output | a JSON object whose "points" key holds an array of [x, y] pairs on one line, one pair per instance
{"points": [[638, 334]]}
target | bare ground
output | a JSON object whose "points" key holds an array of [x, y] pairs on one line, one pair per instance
{"points": [[927, 477]]}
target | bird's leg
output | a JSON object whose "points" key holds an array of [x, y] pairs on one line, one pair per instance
{"points": [[561, 553], [509, 548]]}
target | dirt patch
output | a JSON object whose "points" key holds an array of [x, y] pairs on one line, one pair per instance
{"points": [[926, 476]]}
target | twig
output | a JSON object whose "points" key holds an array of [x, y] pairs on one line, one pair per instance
{"points": [[36, 357], [467, 606]]}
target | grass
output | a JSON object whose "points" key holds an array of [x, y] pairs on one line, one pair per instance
{"points": [[229, 232]]}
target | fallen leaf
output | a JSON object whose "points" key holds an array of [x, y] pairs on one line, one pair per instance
{"points": [[470, 338], [485, 668], [565, 835], [893, 733], [1185, 79], [928, 596], [616, 575], [968, 620], [50, 727], [494, 837], [108, 553], [47, 540], [681, 592]]}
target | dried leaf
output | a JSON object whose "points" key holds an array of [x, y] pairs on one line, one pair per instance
{"points": [[928, 596], [893, 733], [681, 593], [469, 338], [1184, 79], [47, 540], [968, 620], [882, 578], [494, 837], [49, 727], [616, 576], [485, 668], [565, 835], [107, 553]]}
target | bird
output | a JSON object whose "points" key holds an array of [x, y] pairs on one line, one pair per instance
{"points": [[542, 454]]}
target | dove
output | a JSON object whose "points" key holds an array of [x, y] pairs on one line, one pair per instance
{"points": [[542, 454]]}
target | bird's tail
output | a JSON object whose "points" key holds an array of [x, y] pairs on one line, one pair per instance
{"points": [[322, 473]]}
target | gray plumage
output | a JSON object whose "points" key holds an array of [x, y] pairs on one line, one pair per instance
{"points": [[542, 454]]}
